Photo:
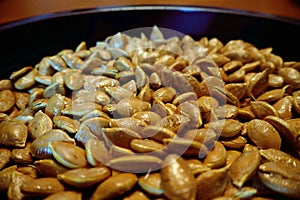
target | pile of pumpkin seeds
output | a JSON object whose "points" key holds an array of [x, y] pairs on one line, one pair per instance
{"points": [[150, 117]]}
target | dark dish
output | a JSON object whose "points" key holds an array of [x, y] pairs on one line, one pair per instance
{"points": [[93, 102]]}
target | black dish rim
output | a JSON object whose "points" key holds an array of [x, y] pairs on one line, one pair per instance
{"points": [[183, 8]]}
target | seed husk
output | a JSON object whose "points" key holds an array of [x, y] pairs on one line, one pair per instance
{"points": [[258, 84], [157, 133], [4, 157], [136, 163], [129, 106], [7, 100], [148, 146], [207, 180], [178, 181], [17, 74], [136, 195], [65, 195], [68, 154], [263, 134], [226, 127], [262, 109], [66, 123], [22, 156], [40, 147], [84, 177], [286, 130], [39, 125], [275, 176], [244, 167], [73, 79], [185, 146], [121, 136], [115, 186], [276, 155], [27, 81], [49, 167], [42, 186], [151, 183], [216, 157], [237, 142], [96, 152], [13, 133], [284, 107], [148, 117]]}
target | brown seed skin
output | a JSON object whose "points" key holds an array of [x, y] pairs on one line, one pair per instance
{"points": [[165, 94], [13, 133], [28, 170], [49, 168], [263, 134], [23, 155], [40, 147], [178, 181], [284, 107], [173, 122], [296, 101], [149, 118], [258, 84], [279, 178], [211, 183], [245, 166], [148, 146], [236, 142], [151, 183], [7, 100], [197, 166], [226, 127], [231, 156], [73, 79], [237, 89], [115, 186], [55, 105], [21, 99], [5, 84], [4, 157], [203, 135], [92, 149], [217, 157], [120, 136], [192, 111], [66, 123], [135, 163], [26, 81], [128, 122], [287, 131], [291, 76], [262, 109], [185, 146], [41, 186], [39, 125], [207, 103], [137, 195], [65, 195], [84, 177], [68, 154], [6, 177], [129, 106], [275, 81], [276, 155]]}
